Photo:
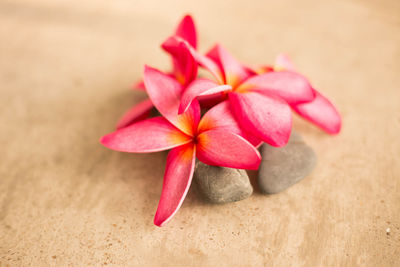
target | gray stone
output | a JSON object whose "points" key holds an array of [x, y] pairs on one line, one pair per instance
{"points": [[222, 185], [283, 167]]}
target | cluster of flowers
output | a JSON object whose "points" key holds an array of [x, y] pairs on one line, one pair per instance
{"points": [[243, 107]]}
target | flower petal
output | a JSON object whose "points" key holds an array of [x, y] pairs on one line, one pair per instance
{"points": [[187, 31], [202, 60], [200, 87], [185, 66], [233, 70], [165, 93], [263, 69], [283, 62], [249, 69], [220, 117], [290, 86], [209, 65], [177, 179], [152, 135], [266, 117], [139, 85], [209, 101], [226, 149], [321, 112], [138, 112]]}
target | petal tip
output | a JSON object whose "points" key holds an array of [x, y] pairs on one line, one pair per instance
{"points": [[256, 165], [283, 140], [147, 69], [188, 16], [336, 129], [158, 222], [338, 126], [279, 143], [104, 140], [182, 109]]}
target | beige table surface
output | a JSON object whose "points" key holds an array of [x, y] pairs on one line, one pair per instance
{"points": [[65, 72]]}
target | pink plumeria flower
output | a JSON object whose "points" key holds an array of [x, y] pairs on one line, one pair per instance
{"points": [[260, 103], [320, 110], [214, 139], [184, 70]]}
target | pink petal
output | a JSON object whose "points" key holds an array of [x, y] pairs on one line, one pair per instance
{"points": [[266, 117], [200, 87], [209, 65], [264, 69], [136, 113], [221, 117], [177, 179], [250, 70], [187, 30], [290, 86], [165, 93], [321, 112], [139, 86], [209, 101], [152, 135], [234, 71], [185, 66], [283, 62], [226, 149], [202, 60]]}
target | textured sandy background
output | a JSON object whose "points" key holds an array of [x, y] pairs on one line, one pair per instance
{"points": [[65, 72]]}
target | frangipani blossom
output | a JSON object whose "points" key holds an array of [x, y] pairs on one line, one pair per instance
{"points": [[320, 110], [259, 102], [248, 107], [184, 69], [213, 139]]}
